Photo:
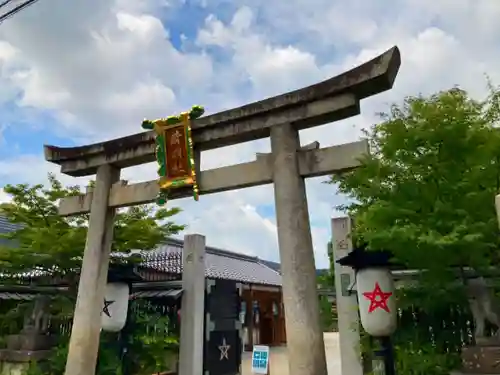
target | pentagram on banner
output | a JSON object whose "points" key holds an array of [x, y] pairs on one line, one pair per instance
{"points": [[105, 309], [378, 299], [224, 350]]}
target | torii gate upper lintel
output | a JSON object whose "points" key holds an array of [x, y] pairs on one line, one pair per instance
{"points": [[331, 100], [280, 118]]}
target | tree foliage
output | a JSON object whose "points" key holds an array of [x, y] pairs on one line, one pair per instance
{"points": [[326, 280], [331, 260], [52, 244], [151, 343], [327, 319], [426, 192]]}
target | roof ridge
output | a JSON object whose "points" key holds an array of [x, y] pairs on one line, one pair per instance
{"points": [[260, 261]]}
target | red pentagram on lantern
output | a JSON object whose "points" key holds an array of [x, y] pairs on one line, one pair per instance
{"points": [[378, 299]]}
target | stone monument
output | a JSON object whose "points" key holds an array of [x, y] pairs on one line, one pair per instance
{"points": [[32, 344], [484, 356]]}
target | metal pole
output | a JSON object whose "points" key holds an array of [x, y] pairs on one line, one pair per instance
{"points": [[388, 353], [123, 340]]}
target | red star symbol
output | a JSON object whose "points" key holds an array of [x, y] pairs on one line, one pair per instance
{"points": [[378, 299]]}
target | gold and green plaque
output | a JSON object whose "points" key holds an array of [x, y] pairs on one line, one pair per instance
{"points": [[174, 152]]}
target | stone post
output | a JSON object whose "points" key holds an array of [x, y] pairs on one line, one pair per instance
{"points": [[84, 341], [193, 306], [31, 345], [347, 303], [306, 349]]}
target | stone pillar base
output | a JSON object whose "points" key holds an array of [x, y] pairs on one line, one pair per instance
{"points": [[17, 362], [481, 360], [8, 368], [30, 342]]}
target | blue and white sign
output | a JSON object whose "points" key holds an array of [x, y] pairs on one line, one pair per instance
{"points": [[260, 359]]}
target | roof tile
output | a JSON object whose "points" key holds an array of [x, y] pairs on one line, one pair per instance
{"points": [[223, 264]]}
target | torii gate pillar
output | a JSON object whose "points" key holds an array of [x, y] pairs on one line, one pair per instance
{"points": [[307, 354]]}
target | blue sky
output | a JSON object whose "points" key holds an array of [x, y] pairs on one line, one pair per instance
{"points": [[90, 70]]}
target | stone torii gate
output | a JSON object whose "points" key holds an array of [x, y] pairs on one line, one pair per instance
{"points": [[280, 118]]}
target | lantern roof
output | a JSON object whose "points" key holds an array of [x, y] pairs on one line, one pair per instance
{"points": [[361, 258]]}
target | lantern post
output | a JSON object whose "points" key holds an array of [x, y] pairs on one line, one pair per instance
{"points": [[376, 299]]}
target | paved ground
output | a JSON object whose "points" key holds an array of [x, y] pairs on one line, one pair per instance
{"points": [[279, 357]]}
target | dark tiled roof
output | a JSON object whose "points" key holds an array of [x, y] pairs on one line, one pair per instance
{"points": [[245, 270], [6, 227], [274, 265], [277, 267], [223, 264]]}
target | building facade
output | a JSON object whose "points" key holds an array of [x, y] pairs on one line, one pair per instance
{"points": [[261, 310]]}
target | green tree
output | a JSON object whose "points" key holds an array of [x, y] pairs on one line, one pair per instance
{"points": [[326, 314], [54, 245], [426, 192], [326, 280]]}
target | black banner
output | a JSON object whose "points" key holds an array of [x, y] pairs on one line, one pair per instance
{"points": [[222, 353]]}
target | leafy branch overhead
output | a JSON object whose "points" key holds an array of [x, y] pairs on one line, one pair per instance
{"points": [[427, 190], [47, 242]]}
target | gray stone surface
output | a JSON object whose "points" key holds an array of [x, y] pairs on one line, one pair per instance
{"points": [[347, 305], [298, 271], [193, 306], [23, 356], [84, 341]]}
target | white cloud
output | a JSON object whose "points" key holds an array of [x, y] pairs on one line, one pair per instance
{"points": [[101, 66], [83, 68], [4, 197], [239, 227], [269, 68]]}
